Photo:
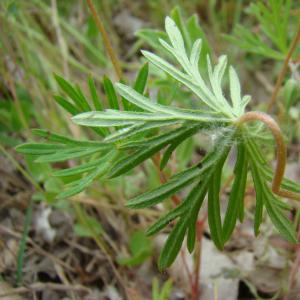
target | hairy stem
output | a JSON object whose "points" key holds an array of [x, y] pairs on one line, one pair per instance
{"points": [[280, 151], [283, 70], [106, 40]]}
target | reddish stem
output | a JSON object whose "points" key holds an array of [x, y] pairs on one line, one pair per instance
{"points": [[280, 152], [198, 250], [163, 178]]}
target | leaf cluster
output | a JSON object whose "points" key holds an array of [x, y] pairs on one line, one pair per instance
{"points": [[273, 39], [144, 128]]}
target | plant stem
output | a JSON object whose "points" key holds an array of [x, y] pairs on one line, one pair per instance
{"points": [[197, 263], [295, 269], [163, 178], [283, 70], [106, 40], [280, 151]]}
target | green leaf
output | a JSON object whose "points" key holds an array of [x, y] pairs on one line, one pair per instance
{"points": [[70, 153], [138, 99], [109, 118], [196, 198], [180, 139], [176, 183], [152, 36], [82, 98], [84, 230], [73, 93], [281, 222], [156, 144], [192, 115], [166, 137], [183, 178], [166, 290], [139, 86], [213, 208], [66, 105], [174, 34], [133, 130], [237, 192], [82, 168], [53, 137], [195, 54], [80, 185], [93, 91], [110, 93], [261, 173], [141, 79], [38, 148], [167, 218], [168, 153], [286, 183], [173, 244], [259, 190], [250, 42], [135, 260], [235, 90], [140, 248], [155, 289]]}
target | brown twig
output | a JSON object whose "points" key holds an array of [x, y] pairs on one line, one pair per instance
{"points": [[283, 70], [106, 40], [280, 151]]}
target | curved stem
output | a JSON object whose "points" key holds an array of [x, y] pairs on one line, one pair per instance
{"points": [[280, 150]]}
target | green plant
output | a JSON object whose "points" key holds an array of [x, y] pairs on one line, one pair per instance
{"points": [[140, 249], [273, 37], [165, 291], [146, 128]]}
